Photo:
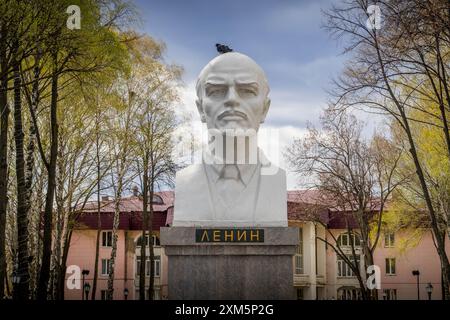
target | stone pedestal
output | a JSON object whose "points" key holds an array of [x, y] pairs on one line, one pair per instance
{"points": [[228, 269]]}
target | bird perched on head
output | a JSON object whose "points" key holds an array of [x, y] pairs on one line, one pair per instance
{"points": [[221, 48]]}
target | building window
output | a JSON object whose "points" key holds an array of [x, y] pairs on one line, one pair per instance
{"points": [[389, 240], [105, 267], [299, 254], [349, 293], [155, 241], [344, 269], [147, 268], [390, 266], [156, 294], [157, 199], [300, 294], [107, 238], [390, 294], [104, 295], [344, 240], [156, 266], [138, 265]]}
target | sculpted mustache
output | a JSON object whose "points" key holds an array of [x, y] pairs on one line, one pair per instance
{"points": [[232, 113]]}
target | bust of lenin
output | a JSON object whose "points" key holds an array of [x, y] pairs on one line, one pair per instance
{"points": [[234, 185]]}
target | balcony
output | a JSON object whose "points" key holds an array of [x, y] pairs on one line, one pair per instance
{"points": [[305, 280], [320, 279], [301, 280]]}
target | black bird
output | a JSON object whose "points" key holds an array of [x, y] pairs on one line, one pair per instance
{"points": [[221, 48]]}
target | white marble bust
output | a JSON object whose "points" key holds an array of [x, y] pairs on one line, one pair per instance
{"points": [[235, 185]]}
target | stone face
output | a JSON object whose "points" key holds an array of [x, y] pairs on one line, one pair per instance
{"points": [[248, 271], [244, 189]]}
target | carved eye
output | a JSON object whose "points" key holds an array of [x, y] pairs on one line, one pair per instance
{"points": [[216, 91], [247, 92]]}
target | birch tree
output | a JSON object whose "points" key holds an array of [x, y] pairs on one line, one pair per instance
{"points": [[155, 85], [120, 152]]}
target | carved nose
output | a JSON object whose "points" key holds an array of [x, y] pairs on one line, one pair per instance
{"points": [[232, 98]]}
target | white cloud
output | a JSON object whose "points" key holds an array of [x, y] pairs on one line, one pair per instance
{"points": [[294, 108], [284, 135]]}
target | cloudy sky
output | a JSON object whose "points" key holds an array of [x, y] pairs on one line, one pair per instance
{"points": [[284, 37]]}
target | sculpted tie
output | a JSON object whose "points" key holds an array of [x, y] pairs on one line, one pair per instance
{"points": [[230, 185]]}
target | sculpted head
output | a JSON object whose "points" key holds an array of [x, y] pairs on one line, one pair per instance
{"points": [[232, 93]]}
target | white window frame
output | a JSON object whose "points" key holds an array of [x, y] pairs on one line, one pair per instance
{"points": [[390, 265], [105, 236], [300, 294], [298, 258], [156, 266], [343, 269], [390, 294], [137, 264], [147, 267], [158, 198], [347, 240], [103, 294], [154, 238], [349, 294], [389, 240], [157, 293], [108, 263]]}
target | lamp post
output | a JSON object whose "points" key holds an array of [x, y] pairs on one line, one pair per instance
{"points": [[429, 290], [417, 273], [87, 288], [125, 293], [84, 273]]}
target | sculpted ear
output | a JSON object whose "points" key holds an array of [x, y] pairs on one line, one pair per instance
{"points": [[198, 102], [265, 109]]}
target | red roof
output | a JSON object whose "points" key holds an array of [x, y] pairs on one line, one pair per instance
{"points": [[130, 213], [132, 204], [303, 205], [307, 205]]}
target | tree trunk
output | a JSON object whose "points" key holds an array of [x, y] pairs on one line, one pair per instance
{"points": [[59, 228], [99, 220], [420, 174], [48, 211], [63, 266], [29, 161], [152, 254], [144, 229], [116, 221], [21, 290], [4, 113]]}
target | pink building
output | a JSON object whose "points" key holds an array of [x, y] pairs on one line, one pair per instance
{"points": [[126, 275], [318, 272]]}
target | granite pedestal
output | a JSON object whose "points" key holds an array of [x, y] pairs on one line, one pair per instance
{"points": [[230, 270]]}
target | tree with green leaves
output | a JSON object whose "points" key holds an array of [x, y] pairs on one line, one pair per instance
{"points": [[155, 85], [391, 70]]}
